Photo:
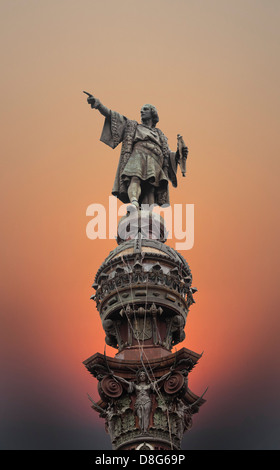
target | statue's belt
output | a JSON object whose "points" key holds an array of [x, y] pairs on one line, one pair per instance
{"points": [[156, 151]]}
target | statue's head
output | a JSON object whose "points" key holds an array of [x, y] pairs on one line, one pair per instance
{"points": [[142, 376], [148, 111]]}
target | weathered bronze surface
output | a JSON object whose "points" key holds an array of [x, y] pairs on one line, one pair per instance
{"points": [[146, 162]]}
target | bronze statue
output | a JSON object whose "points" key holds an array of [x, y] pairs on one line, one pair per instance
{"points": [[143, 389], [146, 163]]}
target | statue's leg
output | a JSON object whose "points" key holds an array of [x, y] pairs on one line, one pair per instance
{"points": [[134, 190], [149, 195], [146, 417]]}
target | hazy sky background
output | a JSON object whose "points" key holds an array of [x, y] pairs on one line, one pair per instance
{"points": [[211, 67]]}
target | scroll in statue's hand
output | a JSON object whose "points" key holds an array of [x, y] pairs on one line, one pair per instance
{"points": [[185, 152]]}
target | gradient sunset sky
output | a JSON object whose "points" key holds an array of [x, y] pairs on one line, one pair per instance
{"points": [[211, 67]]}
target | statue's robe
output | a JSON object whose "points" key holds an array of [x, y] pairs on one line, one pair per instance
{"points": [[145, 154]]}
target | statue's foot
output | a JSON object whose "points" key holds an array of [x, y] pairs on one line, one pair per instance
{"points": [[131, 209], [135, 203]]}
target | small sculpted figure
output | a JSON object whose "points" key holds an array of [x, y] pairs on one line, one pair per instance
{"points": [[143, 388]]}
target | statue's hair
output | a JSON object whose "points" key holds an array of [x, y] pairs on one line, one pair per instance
{"points": [[155, 117]]}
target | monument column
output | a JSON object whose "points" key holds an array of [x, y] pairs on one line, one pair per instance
{"points": [[143, 293]]}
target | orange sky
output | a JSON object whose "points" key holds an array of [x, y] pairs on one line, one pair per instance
{"points": [[211, 70]]}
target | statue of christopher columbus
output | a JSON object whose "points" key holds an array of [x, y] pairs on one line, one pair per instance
{"points": [[146, 163]]}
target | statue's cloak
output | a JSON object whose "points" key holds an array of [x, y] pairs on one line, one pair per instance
{"points": [[117, 129]]}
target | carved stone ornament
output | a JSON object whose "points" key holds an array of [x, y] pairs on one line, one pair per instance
{"points": [[144, 446], [174, 384], [110, 387], [142, 328]]}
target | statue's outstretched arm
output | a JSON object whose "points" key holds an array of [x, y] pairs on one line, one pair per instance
{"points": [[156, 382], [96, 104], [121, 379]]}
